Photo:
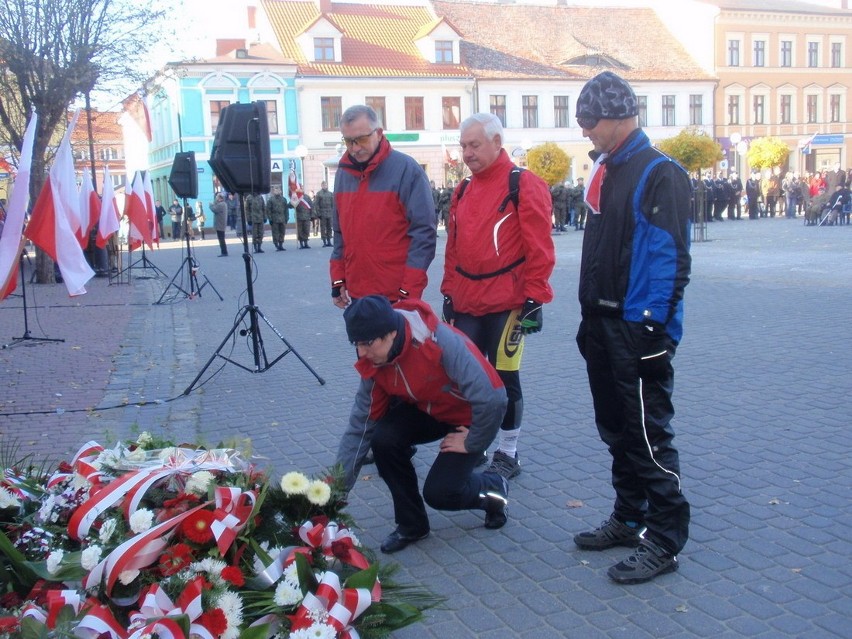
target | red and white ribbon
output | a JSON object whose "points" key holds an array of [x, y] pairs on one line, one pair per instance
{"points": [[334, 605], [233, 509], [157, 603], [334, 540]]}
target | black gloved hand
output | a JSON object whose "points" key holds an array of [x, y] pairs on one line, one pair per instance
{"points": [[336, 287], [531, 317], [653, 351], [448, 313], [581, 338]]}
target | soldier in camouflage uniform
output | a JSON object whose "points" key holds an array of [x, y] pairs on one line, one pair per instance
{"points": [[578, 197], [256, 212], [304, 215], [324, 202], [278, 214]]}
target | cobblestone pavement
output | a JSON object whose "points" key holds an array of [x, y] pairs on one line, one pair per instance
{"points": [[763, 426]]}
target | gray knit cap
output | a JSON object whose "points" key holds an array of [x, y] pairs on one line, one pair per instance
{"points": [[607, 97]]}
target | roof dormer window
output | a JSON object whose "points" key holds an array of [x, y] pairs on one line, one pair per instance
{"points": [[444, 51], [323, 49]]}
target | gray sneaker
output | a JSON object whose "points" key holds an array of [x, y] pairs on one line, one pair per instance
{"points": [[646, 562], [611, 533], [504, 465]]}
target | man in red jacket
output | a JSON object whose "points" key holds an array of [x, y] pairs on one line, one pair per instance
{"points": [[384, 222], [499, 258]]}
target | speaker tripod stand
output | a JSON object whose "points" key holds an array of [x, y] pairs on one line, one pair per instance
{"points": [[261, 361], [190, 264]]}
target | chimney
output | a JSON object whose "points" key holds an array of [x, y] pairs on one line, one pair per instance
{"points": [[252, 17], [226, 45], [325, 6]]}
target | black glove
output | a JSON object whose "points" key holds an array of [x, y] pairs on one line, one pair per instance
{"points": [[448, 313], [653, 351], [336, 287], [531, 317], [581, 338]]}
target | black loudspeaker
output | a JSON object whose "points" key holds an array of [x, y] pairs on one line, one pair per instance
{"points": [[240, 156], [184, 176]]}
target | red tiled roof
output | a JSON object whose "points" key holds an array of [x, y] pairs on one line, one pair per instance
{"points": [[256, 53], [508, 40], [105, 128], [377, 41]]}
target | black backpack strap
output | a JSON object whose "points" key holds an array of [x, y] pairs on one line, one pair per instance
{"points": [[514, 189], [462, 187]]}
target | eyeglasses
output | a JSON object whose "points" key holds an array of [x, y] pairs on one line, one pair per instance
{"points": [[361, 140], [587, 123], [367, 343]]}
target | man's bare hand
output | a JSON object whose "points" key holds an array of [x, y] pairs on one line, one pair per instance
{"points": [[454, 442]]}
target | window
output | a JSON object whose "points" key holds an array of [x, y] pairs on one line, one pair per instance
{"points": [[668, 110], [834, 108], [696, 110], [216, 107], [811, 104], [642, 104], [759, 109], [786, 109], [324, 49], [760, 53], [451, 109], [733, 53], [530, 109], [108, 153], [331, 108], [733, 109], [497, 105], [786, 53], [444, 51], [378, 104], [836, 54], [813, 54], [414, 114], [271, 115], [561, 112]]}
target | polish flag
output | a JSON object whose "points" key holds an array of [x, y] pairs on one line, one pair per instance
{"points": [[296, 191], [149, 207], [108, 222], [50, 223], [90, 207], [12, 239], [68, 191], [149, 130], [137, 213]]}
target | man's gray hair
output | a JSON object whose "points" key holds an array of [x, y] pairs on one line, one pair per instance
{"points": [[490, 123], [354, 112]]}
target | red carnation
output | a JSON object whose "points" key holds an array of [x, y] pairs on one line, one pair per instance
{"points": [[214, 620], [196, 527], [233, 575], [176, 558]]}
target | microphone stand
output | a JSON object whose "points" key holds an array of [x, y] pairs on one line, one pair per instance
{"points": [[27, 336]]}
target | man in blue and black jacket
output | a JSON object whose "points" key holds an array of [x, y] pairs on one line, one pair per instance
{"points": [[634, 268]]}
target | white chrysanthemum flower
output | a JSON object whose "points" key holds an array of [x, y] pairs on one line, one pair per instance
{"points": [[213, 567], [232, 605], [286, 594], [107, 530], [168, 452], [141, 520], [136, 455], [318, 493], [294, 483], [144, 438], [8, 499], [316, 631], [46, 509], [78, 482], [90, 557], [291, 573], [53, 561], [109, 458], [126, 577], [198, 483]]}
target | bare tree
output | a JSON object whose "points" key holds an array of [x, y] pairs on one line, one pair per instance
{"points": [[53, 52]]}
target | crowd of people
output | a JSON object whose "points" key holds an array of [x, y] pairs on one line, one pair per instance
{"points": [[770, 194]]}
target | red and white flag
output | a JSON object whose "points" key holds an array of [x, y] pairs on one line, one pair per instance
{"points": [[50, 223], [90, 207], [108, 222], [150, 208], [12, 239], [137, 213], [297, 193], [149, 129]]}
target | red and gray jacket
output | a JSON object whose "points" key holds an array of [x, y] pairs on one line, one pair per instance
{"points": [[384, 225], [440, 371], [496, 257]]}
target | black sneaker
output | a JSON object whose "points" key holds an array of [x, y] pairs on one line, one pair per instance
{"points": [[496, 506], [504, 465], [646, 562], [611, 533]]}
